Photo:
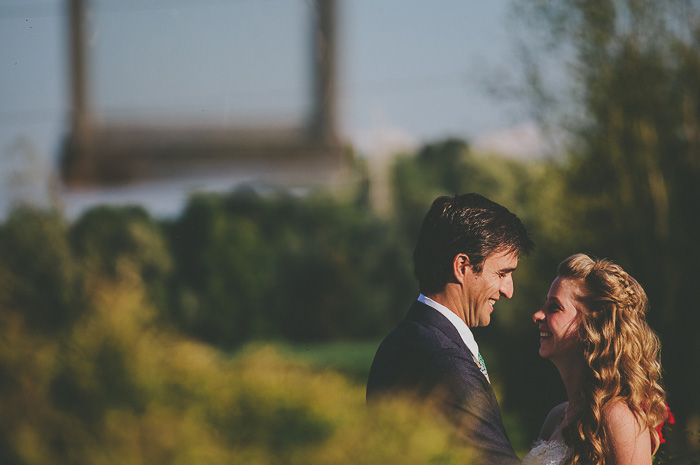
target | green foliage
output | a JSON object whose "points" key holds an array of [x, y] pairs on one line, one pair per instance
{"points": [[106, 239], [224, 270], [343, 278], [117, 388], [419, 179], [351, 358], [315, 268], [39, 277]]}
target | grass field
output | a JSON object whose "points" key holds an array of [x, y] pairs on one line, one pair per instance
{"points": [[351, 358]]}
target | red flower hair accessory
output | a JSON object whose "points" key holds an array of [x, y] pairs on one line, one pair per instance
{"points": [[668, 419]]}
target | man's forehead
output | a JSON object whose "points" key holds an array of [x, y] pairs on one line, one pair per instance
{"points": [[502, 260]]}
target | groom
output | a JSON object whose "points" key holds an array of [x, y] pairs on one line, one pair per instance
{"points": [[466, 252]]}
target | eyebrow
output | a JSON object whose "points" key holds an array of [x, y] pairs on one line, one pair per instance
{"points": [[551, 300]]}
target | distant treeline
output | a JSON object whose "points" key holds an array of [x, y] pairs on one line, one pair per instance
{"points": [[252, 264]]}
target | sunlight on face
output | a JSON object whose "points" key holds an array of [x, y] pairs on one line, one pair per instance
{"points": [[558, 321], [482, 290]]}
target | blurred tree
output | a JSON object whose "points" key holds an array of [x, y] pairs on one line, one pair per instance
{"points": [[345, 276], [263, 265], [634, 173], [39, 278], [225, 270], [109, 240], [40, 299]]}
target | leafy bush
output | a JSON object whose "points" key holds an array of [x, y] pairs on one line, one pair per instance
{"points": [[105, 239], [118, 389], [40, 280]]}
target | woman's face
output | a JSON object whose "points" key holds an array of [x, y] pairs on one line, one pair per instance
{"points": [[558, 321]]}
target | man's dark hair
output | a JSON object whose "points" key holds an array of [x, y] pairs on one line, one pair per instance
{"points": [[469, 224]]}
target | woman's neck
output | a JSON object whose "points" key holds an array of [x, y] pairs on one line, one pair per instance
{"points": [[572, 376]]}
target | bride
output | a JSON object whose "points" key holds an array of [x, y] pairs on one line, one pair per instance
{"points": [[593, 328]]}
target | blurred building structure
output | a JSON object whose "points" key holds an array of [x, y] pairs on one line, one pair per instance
{"points": [[102, 154]]}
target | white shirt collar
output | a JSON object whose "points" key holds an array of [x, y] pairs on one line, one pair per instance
{"points": [[464, 332]]}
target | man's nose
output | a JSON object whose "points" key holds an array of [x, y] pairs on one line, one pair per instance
{"points": [[538, 316], [507, 287]]}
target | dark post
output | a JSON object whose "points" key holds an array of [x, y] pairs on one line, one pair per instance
{"points": [[80, 164], [323, 124]]}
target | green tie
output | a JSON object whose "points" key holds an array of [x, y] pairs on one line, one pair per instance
{"points": [[482, 367]]}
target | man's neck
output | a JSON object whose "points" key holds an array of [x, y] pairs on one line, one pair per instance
{"points": [[464, 332], [449, 299]]}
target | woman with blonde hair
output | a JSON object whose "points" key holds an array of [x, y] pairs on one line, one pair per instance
{"points": [[593, 328]]}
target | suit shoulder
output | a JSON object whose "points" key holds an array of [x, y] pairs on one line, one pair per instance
{"points": [[411, 357], [420, 335]]}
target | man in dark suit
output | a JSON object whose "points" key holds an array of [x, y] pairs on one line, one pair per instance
{"points": [[467, 250]]}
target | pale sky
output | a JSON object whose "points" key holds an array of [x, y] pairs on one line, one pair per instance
{"points": [[410, 71]]}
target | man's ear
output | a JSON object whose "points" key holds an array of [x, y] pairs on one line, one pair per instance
{"points": [[460, 266]]}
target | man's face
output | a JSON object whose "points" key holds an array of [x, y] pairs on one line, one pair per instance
{"points": [[482, 290]]}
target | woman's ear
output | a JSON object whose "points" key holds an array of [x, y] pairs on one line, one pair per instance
{"points": [[460, 266]]}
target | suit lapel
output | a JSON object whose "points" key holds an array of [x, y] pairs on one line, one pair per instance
{"points": [[426, 315]]}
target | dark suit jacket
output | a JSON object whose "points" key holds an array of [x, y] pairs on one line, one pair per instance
{"points": [[424, 354]]}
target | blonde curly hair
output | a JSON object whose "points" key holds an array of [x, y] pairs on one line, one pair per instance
{"points": [[621, 354]]}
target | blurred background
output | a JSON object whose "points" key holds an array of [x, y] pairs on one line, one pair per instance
{"points": [[208, 211]]}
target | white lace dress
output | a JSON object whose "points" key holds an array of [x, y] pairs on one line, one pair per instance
{"points": [[546, 453]]}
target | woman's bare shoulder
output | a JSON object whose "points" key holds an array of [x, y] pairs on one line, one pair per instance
{"points": [[629, 439], [617, 415]]}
